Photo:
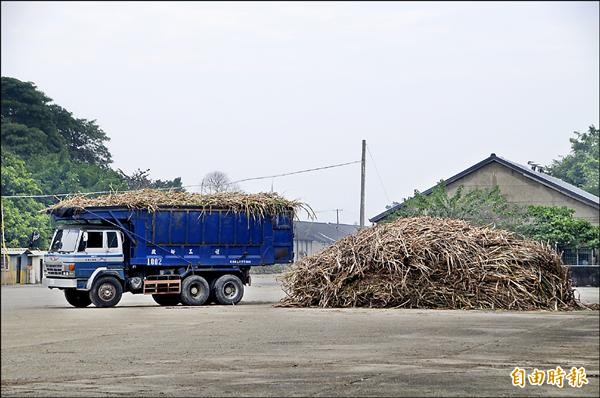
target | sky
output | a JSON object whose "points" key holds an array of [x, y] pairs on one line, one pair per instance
{"points": [[257, 89]]}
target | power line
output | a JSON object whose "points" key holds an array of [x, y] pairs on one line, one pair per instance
{"points": [[379, 176], [296, 172], [176, 188], [56, 195]]}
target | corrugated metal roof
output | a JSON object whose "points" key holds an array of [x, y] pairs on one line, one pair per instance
{"points": [[545, 179], [322, 232], [37, 252], [13, 250], [566, 187]]}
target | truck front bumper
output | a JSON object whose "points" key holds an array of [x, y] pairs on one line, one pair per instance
{"points": [[59, 282]]}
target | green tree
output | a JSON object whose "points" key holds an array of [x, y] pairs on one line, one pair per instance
{"points": [[557, 225], [85, 139], [24, 141], [57, 174], [21, 216], [478, 206], [554, 225], [140, 179], [31, 125], [47, 150], [581, 167], [28, 126]]}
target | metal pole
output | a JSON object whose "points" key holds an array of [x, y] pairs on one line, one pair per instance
{"points": [[362, 184], [5, 257], [337, 218]]}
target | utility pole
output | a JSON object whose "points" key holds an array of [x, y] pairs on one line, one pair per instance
{"points": [[362, 184], [337, 217]]}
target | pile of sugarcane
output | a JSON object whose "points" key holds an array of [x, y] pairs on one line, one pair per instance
{"points": [[425, 262], [258, 205]]}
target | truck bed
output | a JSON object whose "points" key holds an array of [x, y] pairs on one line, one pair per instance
{"points": [[189, 236]]}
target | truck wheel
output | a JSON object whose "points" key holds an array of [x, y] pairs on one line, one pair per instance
{"points": [[166, 299], [194, 290], [77, 298], [228, 289], [106, 292]]}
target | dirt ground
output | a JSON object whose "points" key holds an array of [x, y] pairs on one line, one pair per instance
{"points": [[256, 349]]}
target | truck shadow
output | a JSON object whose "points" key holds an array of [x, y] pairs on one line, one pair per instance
{"points": [[182, 307]]}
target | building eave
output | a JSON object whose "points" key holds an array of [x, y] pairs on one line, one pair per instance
{"points": [[520, 169]]}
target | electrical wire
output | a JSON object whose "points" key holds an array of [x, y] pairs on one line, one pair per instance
{"points": [[379, 176], [296, 172], [176, 188], [56, 195]]}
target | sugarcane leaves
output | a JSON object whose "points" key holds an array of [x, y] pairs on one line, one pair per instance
{"points": [[426, 262]]}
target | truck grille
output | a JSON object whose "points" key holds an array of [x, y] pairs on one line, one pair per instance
{"points": [[54, 269]]}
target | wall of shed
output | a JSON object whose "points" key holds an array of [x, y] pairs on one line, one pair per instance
{"points": [[522, 190], [303, 248], [30, 271]]}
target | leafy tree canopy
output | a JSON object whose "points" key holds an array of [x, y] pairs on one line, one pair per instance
{"points": [[553, 225], [479, 206], [47, 150], [31, 125], [140, 179], [21, 217], [581, 167], [557, 225], [85, 139], [28, 126]]}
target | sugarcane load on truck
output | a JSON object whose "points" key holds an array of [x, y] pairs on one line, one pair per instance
{"points": [[178, 247]]}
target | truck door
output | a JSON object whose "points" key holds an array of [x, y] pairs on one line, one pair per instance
{"points": [[102, 242], [114, 242], [92, 242]]}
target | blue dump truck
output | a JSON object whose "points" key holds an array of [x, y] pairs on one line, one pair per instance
{"points": [[186, 255]]}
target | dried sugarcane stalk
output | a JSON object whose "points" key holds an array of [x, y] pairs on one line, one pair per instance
{"points": [[426, 262], [256, 205]]}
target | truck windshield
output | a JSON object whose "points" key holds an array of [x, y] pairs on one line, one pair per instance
{"points": [[64, 240]]}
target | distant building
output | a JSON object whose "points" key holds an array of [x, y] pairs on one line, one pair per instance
{"points": [[519, 184], [311, 237], [522, 185], [22, 266]]}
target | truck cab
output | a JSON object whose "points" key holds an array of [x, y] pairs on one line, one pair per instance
{"points": [[78, 253]]}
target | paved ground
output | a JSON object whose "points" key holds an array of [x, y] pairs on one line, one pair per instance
{"points": [[255, 349]]}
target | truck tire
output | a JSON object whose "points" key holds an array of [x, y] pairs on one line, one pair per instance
{"points": [[106, 292], [194, 290], [77, 298], [166, 299], [228, 289]]}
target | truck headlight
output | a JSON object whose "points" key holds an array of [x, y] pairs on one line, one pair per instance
{"points": [[69, 269]]}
